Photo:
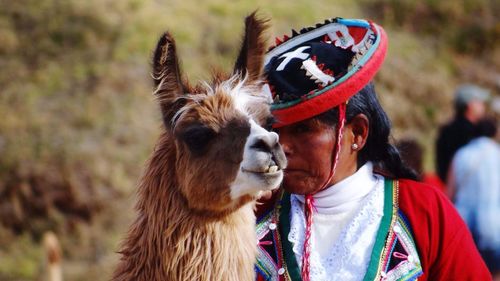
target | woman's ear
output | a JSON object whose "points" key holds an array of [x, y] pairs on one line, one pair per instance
{"points": [[360, 127]]}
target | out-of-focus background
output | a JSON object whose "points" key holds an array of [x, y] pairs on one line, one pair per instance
{"points": [[77, 118]]}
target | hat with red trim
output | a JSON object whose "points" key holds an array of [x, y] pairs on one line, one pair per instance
{"points": [[321, 67]]}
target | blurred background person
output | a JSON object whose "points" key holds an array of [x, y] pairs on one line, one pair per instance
{"points": [[412, 153], [469, 109], [475, 188]]}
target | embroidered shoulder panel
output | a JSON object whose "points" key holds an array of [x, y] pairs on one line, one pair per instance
{"points": [[266, 266], [401, 260]]}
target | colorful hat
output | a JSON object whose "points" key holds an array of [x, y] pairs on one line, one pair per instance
{"points": [[322, 67]]}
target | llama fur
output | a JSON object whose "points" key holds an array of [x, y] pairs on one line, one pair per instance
{"points": [[195, 217]]}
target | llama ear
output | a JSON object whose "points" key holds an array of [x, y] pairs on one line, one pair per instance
{"points": [[167, 77], [251, 57]]}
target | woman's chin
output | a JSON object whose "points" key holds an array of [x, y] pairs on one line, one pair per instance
{"points": [[297, 185]]}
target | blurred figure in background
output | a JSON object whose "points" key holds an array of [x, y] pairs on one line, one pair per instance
{"points": [[475, 185], [53, 257], [412, 154], [469, 108]]}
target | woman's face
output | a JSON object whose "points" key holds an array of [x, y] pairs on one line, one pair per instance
{"points": [[308, 146]]}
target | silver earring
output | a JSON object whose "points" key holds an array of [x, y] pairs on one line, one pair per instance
{"points": [[354, 146]]}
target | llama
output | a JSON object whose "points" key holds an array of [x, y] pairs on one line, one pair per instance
{"points": [[196, 197], [53, 257]]}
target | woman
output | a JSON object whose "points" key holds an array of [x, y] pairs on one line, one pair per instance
{"points": [[349, 209]]}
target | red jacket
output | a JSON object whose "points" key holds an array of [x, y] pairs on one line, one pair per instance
{"points": [[445, 245]]}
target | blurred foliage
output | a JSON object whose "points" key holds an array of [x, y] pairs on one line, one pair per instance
{"points": [[64, 110], [467, 26], [78, 119], [433, 47], [22, 260]]}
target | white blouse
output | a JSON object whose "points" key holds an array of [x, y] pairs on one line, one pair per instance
{"points": [[346, 219]]}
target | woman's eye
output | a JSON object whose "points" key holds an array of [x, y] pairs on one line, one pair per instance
{"points": [[197, 138], [269, 123], [301, 128]]}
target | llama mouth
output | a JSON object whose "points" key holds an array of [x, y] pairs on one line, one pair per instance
{"points": [[271, 169]]}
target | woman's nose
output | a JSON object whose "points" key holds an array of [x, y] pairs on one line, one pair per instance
{"points": [[287, 150], [286, 143]]}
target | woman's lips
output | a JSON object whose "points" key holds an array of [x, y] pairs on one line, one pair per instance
{"points": [[292, 170]]}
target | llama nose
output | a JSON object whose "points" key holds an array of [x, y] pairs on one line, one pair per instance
{"points": [[265, 142]]}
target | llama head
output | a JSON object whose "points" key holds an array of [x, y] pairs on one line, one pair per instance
{"points": [[224, 156]]}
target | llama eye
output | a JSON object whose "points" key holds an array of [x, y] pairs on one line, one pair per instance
{"points": [[197, 138]]}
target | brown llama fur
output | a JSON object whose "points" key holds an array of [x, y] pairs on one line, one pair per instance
{"points": [[195, 206]]}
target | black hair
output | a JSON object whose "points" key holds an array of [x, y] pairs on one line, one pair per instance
{"points": [[460, 109], [385, 156], [486, 127]]}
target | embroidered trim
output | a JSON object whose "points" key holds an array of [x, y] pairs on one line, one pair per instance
{"points": [[390, 202], [410, 268], [270, 269], [315, 73], [265, 264], [292, 268], [398, 232]]}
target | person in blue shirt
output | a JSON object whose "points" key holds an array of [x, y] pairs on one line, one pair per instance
{"points": [[475, 179]]}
